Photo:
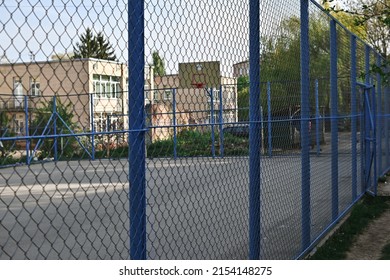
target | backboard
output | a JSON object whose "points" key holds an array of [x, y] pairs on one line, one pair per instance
{"points": [[200, 74]]}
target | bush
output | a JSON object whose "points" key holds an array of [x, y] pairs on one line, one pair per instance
{"points": [[162, 148], [235, 146], [195, 143], [8, 160]]}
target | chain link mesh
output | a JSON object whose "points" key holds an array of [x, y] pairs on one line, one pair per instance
{"points": [[64, 173], [66, 99]]}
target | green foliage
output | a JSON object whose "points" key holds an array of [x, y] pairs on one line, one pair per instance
{"points": [[94, 46], [158, 63], [242, 83], [381, 69], [243, 98], [235, 146], [385, 253], [161, 148], [382, 179], [4, 119], [280, 63], [369, 19], [65, 145], [8, 160], [189, 143], [337, 246], [196, 143]]}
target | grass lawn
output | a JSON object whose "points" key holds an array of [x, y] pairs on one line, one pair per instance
{"points": [[337, 246], [386, 253]]}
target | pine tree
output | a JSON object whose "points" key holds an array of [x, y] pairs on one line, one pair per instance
{"points": [[158, 63], [94, 46], [104, 49]]}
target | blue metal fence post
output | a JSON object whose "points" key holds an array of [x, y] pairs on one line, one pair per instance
{"points": [[387, 127], [137, 161], [269, 113], [305, 115], [55, 127], [221, 147], [374, 136], [379, 115], [367, 134], [174, 124], [362, 141], [334, 119], [254, 130], [318, 149], [262, 142], [92, 126], [27, 130], [212, 120], [354, 120]]}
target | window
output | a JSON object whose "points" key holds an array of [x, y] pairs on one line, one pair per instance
{"points": [[155, 95], [213, 120], [18, 87], [228, 117], [18, 126], [18, 93], [113, 92], [167, 95], [35, 87], [117, 92], [106, 86], [215, 96], [147, 92]]}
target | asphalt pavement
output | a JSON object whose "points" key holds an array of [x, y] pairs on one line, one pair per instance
{"points": [[197, 208]]}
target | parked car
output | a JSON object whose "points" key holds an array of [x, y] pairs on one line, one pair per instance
{"points": [[239, 130], [296, 127]]}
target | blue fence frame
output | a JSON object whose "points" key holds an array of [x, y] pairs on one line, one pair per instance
{"points": [[370, 117]]}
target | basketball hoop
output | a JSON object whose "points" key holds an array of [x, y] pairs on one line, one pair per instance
{"points": [[197, 85], [198, 80]]}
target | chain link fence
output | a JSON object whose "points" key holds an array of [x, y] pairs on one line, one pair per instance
{"points": [[139, 129]]}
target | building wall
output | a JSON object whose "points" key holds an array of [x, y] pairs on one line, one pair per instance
{"points": [[113, 108], [241, 69], [70, 80], [66, 79], [193, 105], [73, 81]]}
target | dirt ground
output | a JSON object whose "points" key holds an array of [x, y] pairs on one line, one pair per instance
{"points": [[369, 244]]}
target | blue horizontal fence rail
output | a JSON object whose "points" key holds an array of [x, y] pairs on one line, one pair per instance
{"points": [[169, 153]]}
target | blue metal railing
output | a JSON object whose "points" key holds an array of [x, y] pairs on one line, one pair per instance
{"points": [[178, 204]]}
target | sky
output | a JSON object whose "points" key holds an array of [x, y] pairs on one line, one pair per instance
{"points": [[180, 30]]}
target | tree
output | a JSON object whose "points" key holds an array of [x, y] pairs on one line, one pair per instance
{"points": [[104, 49], [243, 98], [94, 46], [372, 16], [43, 123], [4, 119], [280, 63], [158, 64]]}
